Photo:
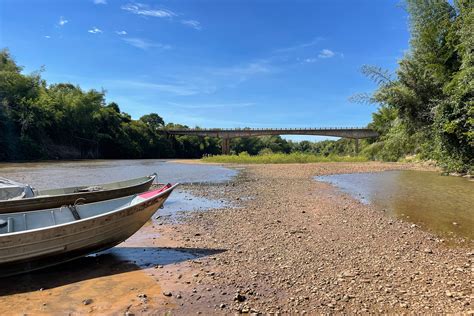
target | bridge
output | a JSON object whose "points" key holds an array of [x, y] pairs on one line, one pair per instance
{"points": [[227, 133]]}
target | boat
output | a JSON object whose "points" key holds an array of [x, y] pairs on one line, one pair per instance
{"points": [[38, 239], [29, 199]]}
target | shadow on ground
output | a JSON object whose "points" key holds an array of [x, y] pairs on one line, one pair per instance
{"points": [[113, 261]]}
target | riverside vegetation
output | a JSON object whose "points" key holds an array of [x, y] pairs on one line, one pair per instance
{"points": [[426, 109], [268, 157]]}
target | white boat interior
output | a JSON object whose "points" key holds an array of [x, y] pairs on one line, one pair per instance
{"points": [[24, 221]]}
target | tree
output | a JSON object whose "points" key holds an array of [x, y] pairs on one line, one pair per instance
{"points": [[428, 108]]}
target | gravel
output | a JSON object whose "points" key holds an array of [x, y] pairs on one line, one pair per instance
{"points": [[294, 245]]}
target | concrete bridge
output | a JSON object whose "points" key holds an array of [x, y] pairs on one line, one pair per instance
{"points": [[227, 133]]}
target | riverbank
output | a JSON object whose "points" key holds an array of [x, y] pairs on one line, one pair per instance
{"points": [[288, 244], [300, 245], [280, 158]]}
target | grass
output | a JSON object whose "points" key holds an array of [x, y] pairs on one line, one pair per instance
{"points": [[281, 158]]}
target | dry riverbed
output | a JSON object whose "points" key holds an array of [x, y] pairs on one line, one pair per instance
{"points": [[289, 245]]}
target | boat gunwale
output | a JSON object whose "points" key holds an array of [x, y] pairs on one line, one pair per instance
{"points": [[34, 230], [151, 177]]}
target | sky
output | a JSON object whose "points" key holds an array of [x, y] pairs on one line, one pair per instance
{"points": [[214, 63]]}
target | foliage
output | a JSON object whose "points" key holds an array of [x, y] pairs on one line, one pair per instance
{"points": [[277, 158], [428, 109], [38, 121]]}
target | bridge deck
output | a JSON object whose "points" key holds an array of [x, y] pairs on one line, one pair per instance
{"points": [[346, 132], [227, 133]]}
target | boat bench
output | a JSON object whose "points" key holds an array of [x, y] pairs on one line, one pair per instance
{"points": [[7, 223]]}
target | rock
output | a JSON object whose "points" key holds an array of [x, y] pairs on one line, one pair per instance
{"points": [[178, 296], [87, 301], [222, 305], [167, 294], [128, 313], [239, 297], [428, 250]]}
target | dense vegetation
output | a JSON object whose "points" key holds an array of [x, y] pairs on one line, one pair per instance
{"points": [[41, 121], [427, 108], [295, 157]]}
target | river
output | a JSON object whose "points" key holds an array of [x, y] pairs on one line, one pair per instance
{"points": [[444, 205], [44, 175]]}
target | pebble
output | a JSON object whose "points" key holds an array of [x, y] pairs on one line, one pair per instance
{"points": [[302, 245], [87, 301]]}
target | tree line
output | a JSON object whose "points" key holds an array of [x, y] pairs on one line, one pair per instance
{"points": [[62, 121], [425, 109]]}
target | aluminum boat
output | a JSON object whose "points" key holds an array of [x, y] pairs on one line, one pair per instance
{"points": [[43, 199], [38, 239]]}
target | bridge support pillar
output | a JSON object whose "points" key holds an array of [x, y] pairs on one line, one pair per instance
{"points": [[225, 145], [356, 140]]}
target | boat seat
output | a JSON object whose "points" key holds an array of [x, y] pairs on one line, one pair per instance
{"points": [[7, 223], [74, 212]]}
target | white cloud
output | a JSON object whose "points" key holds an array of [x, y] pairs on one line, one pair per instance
{"points": [[47, 36], [62, 21], [246, 69], [323, 54], [95, 30], [212, 105], [180, 89], [145, 10], [300, 46], [121, 32], [145, 44], [192, 23], [326, 53], [100, 1]]}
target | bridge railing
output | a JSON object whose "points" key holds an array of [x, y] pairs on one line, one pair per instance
{"points": [[262, 129]]}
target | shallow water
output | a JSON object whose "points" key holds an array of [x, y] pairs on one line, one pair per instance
{"points": [[444, 205], [43, 175]]}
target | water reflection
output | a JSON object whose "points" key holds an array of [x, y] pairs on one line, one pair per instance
{"points": [[183, 201], [444, 205], [43, 175]]}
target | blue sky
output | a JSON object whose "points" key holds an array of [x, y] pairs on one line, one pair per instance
{"points": [[220, 63]]}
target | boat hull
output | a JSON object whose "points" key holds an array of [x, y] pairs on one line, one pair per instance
{"points": [[46, 202], [20, 253]]}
